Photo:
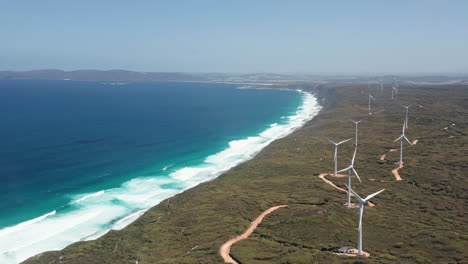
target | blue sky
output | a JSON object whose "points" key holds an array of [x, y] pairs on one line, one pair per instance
{"points": [[330, 36]]}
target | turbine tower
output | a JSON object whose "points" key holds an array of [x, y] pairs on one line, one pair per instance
{"points": [[406, 117], [356, 125], [335, 157], [402, 136], [350, 169], [361, 212], [370, 97]]}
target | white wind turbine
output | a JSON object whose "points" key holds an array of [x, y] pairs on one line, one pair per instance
{"points": [[397, 83], [350, 169], [356, 123], [402, 136], [406, 116], [370, 97], [335, 157], [394, 91], [381, 86], [361, 212]]}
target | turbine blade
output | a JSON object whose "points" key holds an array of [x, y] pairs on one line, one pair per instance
{"points": [[407, 140], [372, 195], [404, 124], [398, 138], [357, 175], [330, 140], [355, 194], [372, 97], [352, 120], [344, 141], [354, 156], [345, 169]]}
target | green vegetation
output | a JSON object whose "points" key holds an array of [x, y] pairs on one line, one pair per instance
{"points": [[421, 219]]}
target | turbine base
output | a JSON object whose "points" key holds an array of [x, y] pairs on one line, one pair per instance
{"points": [[351, 205], [364, 254]]}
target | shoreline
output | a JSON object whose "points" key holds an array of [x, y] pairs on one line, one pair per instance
{"points": [[313, 111]]}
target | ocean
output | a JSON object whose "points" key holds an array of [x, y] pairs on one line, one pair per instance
{"points": [[78, 159]]}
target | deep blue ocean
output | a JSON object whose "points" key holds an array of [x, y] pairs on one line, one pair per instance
{"points": [[79, 158]]}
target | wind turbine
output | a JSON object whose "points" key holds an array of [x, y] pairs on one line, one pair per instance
{"points": [[371, 97], [395, 85], [357, 125], [381, 86], [406, 117], [361, 212], [335, 157], [402, 136], [350, 169], [394, 91]]}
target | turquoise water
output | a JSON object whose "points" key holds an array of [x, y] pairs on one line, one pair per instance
{"points": [[80, 158]]}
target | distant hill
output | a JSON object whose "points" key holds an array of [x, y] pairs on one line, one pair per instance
{"points": [[272, 78], [97, 75]]}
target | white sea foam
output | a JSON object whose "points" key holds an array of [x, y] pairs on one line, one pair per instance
{"points": [[167, 167], [89, 196], [90, 216], [8, 230]]}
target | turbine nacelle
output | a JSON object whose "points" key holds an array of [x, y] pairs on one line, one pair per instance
{"points": [[361, 200], [407, 106], [351, 166], [356, 122], [339, 143], [403, 136]]}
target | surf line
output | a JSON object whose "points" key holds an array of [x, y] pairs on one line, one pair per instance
{"points": [[225, 249]]}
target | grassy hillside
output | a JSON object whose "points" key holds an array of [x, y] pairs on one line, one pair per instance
{"points": [[421, 219]]}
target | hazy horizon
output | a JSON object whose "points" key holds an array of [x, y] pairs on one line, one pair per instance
{"points": [[357, 74], [333, 37]]}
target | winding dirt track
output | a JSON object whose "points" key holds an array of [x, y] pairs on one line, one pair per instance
{"points": [[384, 155], [395, 172], [226, 247], [322, 176]]}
